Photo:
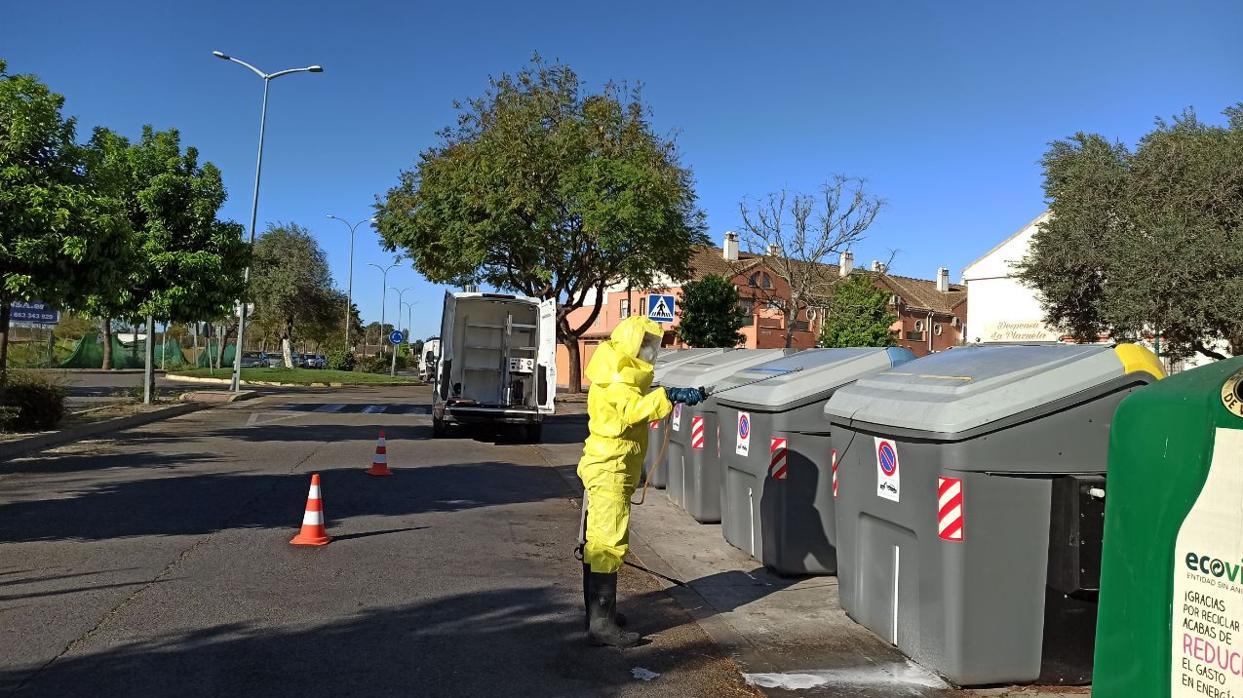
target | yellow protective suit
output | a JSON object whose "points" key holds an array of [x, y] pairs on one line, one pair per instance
{"points": [[619, 408]]}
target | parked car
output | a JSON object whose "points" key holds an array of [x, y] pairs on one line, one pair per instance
{"points": [[318, 361], [254, 359]]}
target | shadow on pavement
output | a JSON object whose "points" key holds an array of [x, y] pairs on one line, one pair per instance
{"points": [[514, 642], [197, 504]]}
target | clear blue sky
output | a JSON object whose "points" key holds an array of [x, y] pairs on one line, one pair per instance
{"points": [[945, 107]]}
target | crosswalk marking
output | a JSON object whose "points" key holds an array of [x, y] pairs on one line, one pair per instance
{"points": [[372, 409]]}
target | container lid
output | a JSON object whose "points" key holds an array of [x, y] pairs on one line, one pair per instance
{"points": [[667, 359], [807, 376], [967, 387], [715, 368]]}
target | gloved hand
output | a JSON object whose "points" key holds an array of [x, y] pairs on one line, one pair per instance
{"points": [[686, 396]]}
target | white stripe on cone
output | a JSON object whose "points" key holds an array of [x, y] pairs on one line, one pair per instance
{"points": [[313, 518], [314, 493]]}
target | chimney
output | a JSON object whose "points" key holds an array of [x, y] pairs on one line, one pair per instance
{"points": [[731, 246], [943, 280], [773, 250], [847, 263], [877, 266]]}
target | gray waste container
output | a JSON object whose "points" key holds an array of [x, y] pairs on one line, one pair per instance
{"points": [[692, 443], [667, 360], [777, 502], [970, 514]]}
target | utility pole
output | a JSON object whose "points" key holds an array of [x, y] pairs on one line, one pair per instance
{"points": [[235, 384], [383, 296], [349, 291]]}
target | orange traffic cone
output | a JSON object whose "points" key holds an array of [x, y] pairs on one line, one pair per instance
{"points": [[379, 462], [312, 532]]}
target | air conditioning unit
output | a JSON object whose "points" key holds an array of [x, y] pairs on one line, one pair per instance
{"points": [[955, 323], [936, 329]]}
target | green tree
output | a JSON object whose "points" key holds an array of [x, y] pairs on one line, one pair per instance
{"points": [[1148, 242], [548, 190], [857, 315], [710, 313], [58, 238], [183, 263], [290, 283]]}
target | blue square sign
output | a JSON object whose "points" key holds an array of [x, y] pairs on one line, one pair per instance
{"points": [[660, 308]]}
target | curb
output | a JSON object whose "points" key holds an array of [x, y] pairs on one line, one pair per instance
{"points": [[40, 442], [217, 397], [227, 381]]}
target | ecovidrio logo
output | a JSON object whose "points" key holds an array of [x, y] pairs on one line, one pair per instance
{"points": [[1214, 566]]}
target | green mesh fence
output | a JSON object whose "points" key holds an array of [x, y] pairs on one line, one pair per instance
{"points": [[209, 354], [89, 353]]}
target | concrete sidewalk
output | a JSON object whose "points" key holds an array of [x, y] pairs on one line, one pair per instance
{"points": [[789, 634]]}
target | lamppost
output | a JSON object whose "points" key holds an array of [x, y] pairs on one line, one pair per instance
{"points": [[349, 293], [410, 332], [383, 297], [236, 385], [392, 371]]}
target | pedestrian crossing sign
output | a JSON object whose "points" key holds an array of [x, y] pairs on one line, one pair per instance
{"points": [[660, 308]]}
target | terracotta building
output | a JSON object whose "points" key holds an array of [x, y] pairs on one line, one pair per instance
{"points": [[931, 313]]}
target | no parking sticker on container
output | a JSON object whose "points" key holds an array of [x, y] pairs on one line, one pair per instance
{"points": [[743, 446], [888, 479], [676, 420]]}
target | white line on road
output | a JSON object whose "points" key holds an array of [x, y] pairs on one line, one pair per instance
{"points": [[895, 675]]}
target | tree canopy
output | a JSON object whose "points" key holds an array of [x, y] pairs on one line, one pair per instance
{"points": [[291, 286], [857, 315], [547, 189], [710, 313], [1148, 242], [182, 263], [58, 238]]}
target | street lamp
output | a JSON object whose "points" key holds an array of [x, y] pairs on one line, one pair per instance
{"points": [[235, 385], [383, 296], [349, 293], [392, 371]]}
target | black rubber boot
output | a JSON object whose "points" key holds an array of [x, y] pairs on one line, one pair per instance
{"points": [[602, 628], [618, 616]]}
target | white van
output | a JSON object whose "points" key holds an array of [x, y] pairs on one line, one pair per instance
{"points": [[497, 362]]}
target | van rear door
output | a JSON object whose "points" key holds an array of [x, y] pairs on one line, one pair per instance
{"points": [[444, 358], [546, 357]]}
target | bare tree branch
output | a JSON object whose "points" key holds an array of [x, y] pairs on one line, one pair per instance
{"points": [[805, 232]]}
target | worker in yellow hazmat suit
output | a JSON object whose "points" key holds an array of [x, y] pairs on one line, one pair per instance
{"points": [[619, 407]]}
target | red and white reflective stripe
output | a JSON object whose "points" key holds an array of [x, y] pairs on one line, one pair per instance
{"points": [[833, 461], [777, 458], [381, 451], [654, 424], [314, 513], [949, 509], [697, 432]]}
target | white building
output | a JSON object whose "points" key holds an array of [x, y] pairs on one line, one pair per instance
{"points": [[999, 307]]}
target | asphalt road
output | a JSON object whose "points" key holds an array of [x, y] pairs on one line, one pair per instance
{"points": [[158, 563]]}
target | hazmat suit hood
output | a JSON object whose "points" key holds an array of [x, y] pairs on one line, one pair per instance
{"points": [[617, 360]]}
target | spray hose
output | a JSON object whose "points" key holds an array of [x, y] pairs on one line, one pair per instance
{"points": [[664, 445]]}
